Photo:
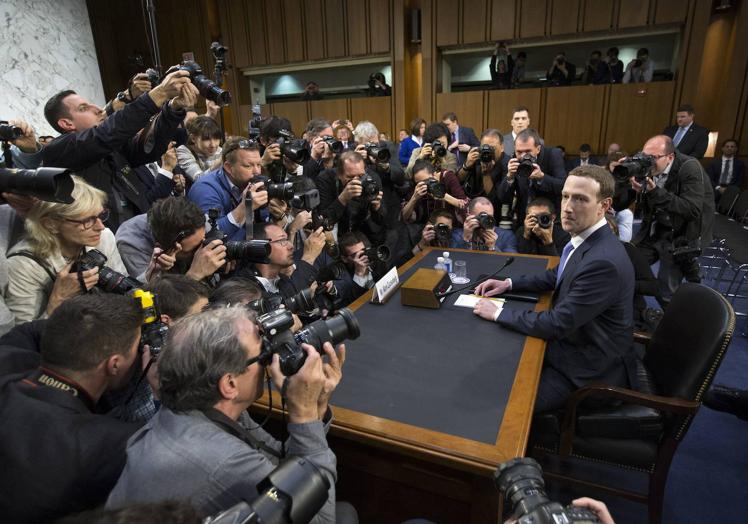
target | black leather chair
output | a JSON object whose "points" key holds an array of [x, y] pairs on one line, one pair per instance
{"points": [[641, 432]]}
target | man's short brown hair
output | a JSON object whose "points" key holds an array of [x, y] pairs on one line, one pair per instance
{"points": [[347, 156], [600, 175]]}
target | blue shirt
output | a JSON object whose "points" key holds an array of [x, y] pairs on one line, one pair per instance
{"points": [[506, 242], [406, 150]]}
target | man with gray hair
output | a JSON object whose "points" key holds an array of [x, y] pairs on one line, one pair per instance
{"points": [[202, 445]]}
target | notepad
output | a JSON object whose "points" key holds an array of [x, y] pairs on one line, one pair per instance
{"points": [[471, 300]]}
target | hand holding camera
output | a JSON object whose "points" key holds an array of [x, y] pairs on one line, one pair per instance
{"points": [[539, 225], [67, 285], [376, 202], [207, 260], [420, 191], [639, 185], [313, 246], [139, 84], [361, 264], [426, 152], [304, 389], [472, 157], [22, 135], [352, 189], [187, 98], [171, 87]]}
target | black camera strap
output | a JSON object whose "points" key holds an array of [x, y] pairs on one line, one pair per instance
{"points": [[232, 427], [38, 260]]}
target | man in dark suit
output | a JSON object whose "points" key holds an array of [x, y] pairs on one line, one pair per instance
{"points": [[460, 139], [589, 325], [689, 138], [726, 170], [585, 158]]}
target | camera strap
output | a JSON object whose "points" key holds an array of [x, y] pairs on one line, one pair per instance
{"points": [[42, 263], [232, 427]]}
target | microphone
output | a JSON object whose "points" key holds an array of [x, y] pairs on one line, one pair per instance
{"points": [[480, 281]]}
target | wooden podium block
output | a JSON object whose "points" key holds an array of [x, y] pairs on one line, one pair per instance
{"points": [[421, 289]]}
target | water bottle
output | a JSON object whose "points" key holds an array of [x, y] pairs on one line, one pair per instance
{"points": [[447, 262], [440, 264]]}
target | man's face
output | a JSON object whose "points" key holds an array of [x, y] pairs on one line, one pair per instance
{"points": [[190, 244], [248, 165], [523, 147], [520, 121], [656, 148], [683, 118], [352, 170], [613, 148], [83, 114], [451, 124], [495, 143], [312, 88], [580, 208], [730, 148], [350, 252], [281, 253], [534, 211], [584, 155], [402, 135], [250, 383]]}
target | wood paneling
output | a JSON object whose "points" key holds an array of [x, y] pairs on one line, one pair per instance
{"points": [[670, 11], [468, 106], [637, 112], [564, 17], [356, 16], [379, 26], [376, 110], [256, 31], [335, 28], [473, 21], [275, 28], [598, 15], [574, 116], [314, 36], [294, 30], [532, 16], [296, 112], [329, 109], [447, 22], [633, 13], [502, 20], [238, 27], [501, 105]]}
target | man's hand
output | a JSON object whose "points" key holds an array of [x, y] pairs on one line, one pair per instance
{"points": [[361, 264], [272, 154], [537, 173], [318, 148], [67, 286], [599, 508], [426, 152], [464, 148], [169, 159], [427, 236], [485, 309], [187, 97], [160, 261], [139, 85], [300, 221], [258, 194], [278, 209], [472, 157], [351, 190], [470, 225], [545, 235], [376, 202], [419, 191], [152, 375], [212, 109], [22, 204], [639, 187], [313, 246], [492, 288], [170, 87], [27, 141], [530, 223], [207, 260], [512, 169], [489, 237], [304, 389], [333, 371], [179, 184]]}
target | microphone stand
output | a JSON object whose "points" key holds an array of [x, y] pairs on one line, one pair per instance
{"points": [[480, 281]]}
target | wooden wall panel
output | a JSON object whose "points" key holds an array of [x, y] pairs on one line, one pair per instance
{"points": [[564, 17], [502, 20], [598, 15], [379, 26], [468, 106], [328, 109], [377, 110], [633, 13], [532, 18], [501, 105], [274, 25], [256, 31], [574, 116], [296, 112], [238, 33], [447, 22], [334, 28], [670, 11], [473, 21], [315, 40], [357, 28], [638, 112], [293, 34]]}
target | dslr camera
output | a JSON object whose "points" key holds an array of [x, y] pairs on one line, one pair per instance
{"points": [[287, 192], [294, 149], [435, 188], [381, 154], [50, 184], [686, 257], [9, 132], [521, 482], [544, 220], [278, 338], [443, 233], [379, 253], [336, 146], [153, 331], [526, 167], [370, 188], [438, 149], [485, 221], [487, 153], [255, 251], [301, 302], [637, 166], [207, 87], [110, 281]]}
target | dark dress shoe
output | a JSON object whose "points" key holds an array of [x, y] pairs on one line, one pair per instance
{"points": [[729, 400]]}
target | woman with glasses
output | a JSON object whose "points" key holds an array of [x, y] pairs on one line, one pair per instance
{"points": [[40, 267]]}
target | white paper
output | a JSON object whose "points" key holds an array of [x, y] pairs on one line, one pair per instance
{"points": [[471, 300]]}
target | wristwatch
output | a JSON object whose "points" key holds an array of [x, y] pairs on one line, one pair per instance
{"points": [[124, 97]]}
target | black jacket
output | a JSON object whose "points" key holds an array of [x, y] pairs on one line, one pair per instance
{"points": [[714, 170], [695, 141], [105, 155], [533, 246]]}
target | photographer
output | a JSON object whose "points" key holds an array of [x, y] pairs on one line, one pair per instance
{"points": [[361, 270], [40, 267], [484, 166], [202, 445], [103, 150], [501, 66], [66, 456], [433, 190], [541, 234], [640, 69], [138, 85], [378, 85], [24, 150], [434, 150], [321, 157], [671, 213], [203, 149], [437, 231], [228, 186], [480, 232], [561, 72]]}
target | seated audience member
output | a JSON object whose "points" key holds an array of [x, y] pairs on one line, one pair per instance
{"points": [[460, 138], [589, 325], [585, 158], [433, 190], [202, 445], [378, 85], [610, 69], [41, 267], [343, 202], [484, 166], [561, 72], [413, 140], [437, 232], [501, 66], [60, 455], [541, 234], [441, 158], [640, 69], [480, 232], [546, 178], [228, 186], [102, 150], [362, 272], [203, 149], [311, 92], [727, 169]]}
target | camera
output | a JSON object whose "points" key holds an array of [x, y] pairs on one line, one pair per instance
{"points": [[443, 233], [50, 184], [561, 60], [637, 166], [370, 187], [438, 149], [9, 132], [319, 220], [381, 253], [292, 493], [520, 480], [153, 76], [486, 153], [110, 281], [278, 338], [526, 165], [544, 220], [374, 150], [294, 149], [301, 302], [255, 251], [336, 146], [333, 271], [207, 87], [153, 331], [435, 188], [485, 221], [686, 257]]}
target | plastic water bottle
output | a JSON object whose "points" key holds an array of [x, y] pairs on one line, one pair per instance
{"points": [[447, 262], [440, 264]]}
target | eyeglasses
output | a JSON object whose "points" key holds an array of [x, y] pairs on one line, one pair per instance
{"points": [[263, 358], [240, 144], [88, 223], [283, 242]]}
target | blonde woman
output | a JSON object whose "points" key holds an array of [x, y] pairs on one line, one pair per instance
{"points": [[39, 267]]}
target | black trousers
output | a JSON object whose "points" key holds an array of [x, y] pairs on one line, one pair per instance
{"points": [[553, 391]]}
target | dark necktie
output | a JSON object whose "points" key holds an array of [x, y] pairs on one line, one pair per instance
{"points": [[724, 178]]}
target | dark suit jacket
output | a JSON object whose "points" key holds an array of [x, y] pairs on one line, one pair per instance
{"points": [[589, 326], [695, 141], [714, 170], [575, 162], [465, 135]]}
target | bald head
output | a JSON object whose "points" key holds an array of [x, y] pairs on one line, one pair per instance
{"points": [[659, 145]]}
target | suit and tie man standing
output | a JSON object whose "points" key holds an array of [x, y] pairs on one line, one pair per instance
{"points": [[461, 139], [727, 169], [688, 137], [519, 122], [589, 325]]}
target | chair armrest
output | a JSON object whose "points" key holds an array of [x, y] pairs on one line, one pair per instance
{"points": [[670, 404], [642, 337]]}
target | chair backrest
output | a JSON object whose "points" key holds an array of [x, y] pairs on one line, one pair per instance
{"points": [[727, 200], [688, 345], [740, 209]]}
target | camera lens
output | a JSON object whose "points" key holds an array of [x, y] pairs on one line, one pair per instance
{"points": [[301, 302], [256, 251], [336, 329]]}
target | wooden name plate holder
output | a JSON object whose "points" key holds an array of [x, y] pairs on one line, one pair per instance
{"points": [[422, 289]]}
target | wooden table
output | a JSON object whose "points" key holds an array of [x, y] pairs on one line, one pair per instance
{"points": [[392, 471]]}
